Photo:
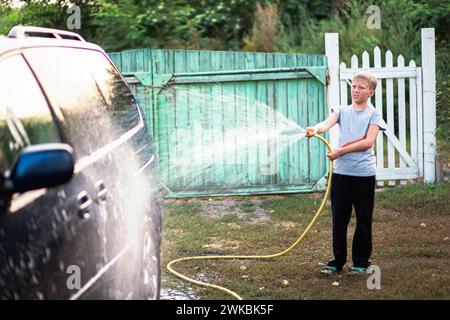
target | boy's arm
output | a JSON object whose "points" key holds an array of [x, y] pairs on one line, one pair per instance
{"points": [[323, 126], [361, 145]]}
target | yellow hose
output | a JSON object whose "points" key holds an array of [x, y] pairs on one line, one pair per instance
{"points": [[270, 256]]}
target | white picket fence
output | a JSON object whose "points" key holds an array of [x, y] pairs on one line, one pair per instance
{"points": [[409, 151]]}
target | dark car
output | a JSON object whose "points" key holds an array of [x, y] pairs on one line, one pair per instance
{"points": [[79, 197]]}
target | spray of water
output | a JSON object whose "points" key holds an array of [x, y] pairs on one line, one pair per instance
{"points": [[209, 132]]}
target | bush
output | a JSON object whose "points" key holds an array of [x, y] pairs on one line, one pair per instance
{"points": [[265, 29], [443, 120]]}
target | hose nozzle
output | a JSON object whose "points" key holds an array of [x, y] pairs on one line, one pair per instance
{"points": [[309, 133]]}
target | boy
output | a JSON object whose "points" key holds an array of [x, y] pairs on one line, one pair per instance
{"points": [[353, 180]]}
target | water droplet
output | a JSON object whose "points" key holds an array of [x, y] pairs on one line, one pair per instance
{"points": [[39, 295], [34, 279]]}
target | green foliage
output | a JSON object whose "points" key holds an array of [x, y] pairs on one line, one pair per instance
{"points": [[44, 13], [400, 30], [354, 35], [265, 29], [233, 25], [8, 19], [443, 119], [197, 24]]}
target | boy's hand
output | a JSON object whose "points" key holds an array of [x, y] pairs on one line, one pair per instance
{"points": [[335, 153], [311, 131]]}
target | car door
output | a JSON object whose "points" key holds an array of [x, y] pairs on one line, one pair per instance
{"points": [[43, 233], [100, 121]]}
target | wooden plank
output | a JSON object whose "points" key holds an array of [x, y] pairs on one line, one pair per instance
{"points": [[302, 98], [313, 117], [379, 108], [292, 114], [183, 128], [343, 88], [228, 122], [163, 140], [267, 71], [180, 61], [420, 121], [116, 58], [354, 67], [334, 99], [321, 105], [272, 155], [169, 138], [395, 173], [169, 63], [184, 153], [140, 62], [195, 114], [147, 61], [165, 126], [366, 64], [429, 103], [252, 148], [126, 62], [216, 123], [281, 109], [207, 113], [390, 114], [241, 142], [175, 157], [149, 106], [238, 77], [381, 73], [413, 115], [401, 112], [261, 122]]}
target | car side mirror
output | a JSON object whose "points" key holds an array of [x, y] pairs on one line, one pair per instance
{"points": [[41, 166]]}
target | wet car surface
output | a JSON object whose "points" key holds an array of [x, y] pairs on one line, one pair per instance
{"points": [[79, 203]]}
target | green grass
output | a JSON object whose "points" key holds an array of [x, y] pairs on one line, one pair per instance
{"points": [[410, 237]]}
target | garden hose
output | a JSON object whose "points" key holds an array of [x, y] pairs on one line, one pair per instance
{"points": [[270, 256]]}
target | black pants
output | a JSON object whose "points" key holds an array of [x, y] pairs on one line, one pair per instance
{"points": [[348, 191]]}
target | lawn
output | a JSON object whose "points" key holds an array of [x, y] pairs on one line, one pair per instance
{"points": [[411, 232]]}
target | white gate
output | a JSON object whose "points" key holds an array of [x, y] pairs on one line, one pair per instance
{"points": [[406, 150]]}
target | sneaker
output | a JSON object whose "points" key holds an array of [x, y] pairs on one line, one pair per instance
{"points": [[357, 271], [329, 271]]}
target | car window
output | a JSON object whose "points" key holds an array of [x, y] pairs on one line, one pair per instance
{"points": [[25, 118], [96, 105]]}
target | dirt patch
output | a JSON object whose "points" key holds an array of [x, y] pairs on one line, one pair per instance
{"points": [[251, 210], [234, 226], [286, 225], [217, 243]]}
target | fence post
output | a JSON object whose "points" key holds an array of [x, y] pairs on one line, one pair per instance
{"points": [[429, 104], [332, 53]]}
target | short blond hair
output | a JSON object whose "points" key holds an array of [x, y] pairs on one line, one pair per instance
{"points": [[367, 76]]}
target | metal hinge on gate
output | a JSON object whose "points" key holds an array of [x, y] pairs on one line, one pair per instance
{"points": [[147, 78]]}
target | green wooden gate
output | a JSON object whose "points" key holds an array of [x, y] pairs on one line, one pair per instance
{"points": [[206, 109]]}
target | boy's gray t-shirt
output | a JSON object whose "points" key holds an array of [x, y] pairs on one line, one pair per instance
{"points": [[354, 125]]}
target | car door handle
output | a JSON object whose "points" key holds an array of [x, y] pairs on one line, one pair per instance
{"points": [[101, 190], [84, 204]]}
